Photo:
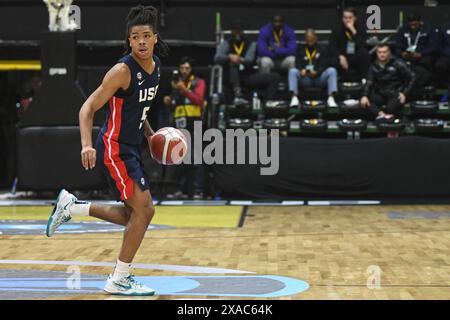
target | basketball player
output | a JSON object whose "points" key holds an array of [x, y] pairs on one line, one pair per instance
{"points": [[129, 86]]}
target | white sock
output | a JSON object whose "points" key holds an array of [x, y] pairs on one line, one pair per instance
{"points": [[121, 270], [80, 208]]}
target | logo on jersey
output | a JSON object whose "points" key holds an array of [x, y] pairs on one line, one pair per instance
{"points": [[143, 181], [139, 75], [147, 94]]}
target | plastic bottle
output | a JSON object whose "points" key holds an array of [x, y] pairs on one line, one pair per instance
{"points": [[221, 120], [256, 102]]}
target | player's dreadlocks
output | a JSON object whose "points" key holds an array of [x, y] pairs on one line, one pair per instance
{"points": [[141, 15]]}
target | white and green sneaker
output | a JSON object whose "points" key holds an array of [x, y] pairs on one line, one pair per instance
{"points": [[127, 286], [60, 213]]}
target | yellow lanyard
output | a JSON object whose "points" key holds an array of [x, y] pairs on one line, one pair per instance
{"points": [[349, 36], [239, 49], [309, 55], [188, 86], [278, 37]]}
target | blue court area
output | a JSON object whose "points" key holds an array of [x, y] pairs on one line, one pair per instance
{"points": [[40, 284]]}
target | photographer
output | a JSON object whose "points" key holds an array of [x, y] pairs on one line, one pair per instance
{"points": [[187, 102]]}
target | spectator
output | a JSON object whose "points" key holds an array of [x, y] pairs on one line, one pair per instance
{"points": [[187, 102], [443, 62], [238, 55], [313, 70], [389, 82], [276, 46], [27, 92], [417, 43], [188, 97], [349, 41]]}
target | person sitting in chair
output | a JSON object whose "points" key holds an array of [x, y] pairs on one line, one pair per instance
{"points": [[313, 70], [276, 46], [417, 44], [349, 41], [238, 55], [389, 83]]}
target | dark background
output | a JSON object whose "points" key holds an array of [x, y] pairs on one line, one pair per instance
{"points": [[195, 20]]}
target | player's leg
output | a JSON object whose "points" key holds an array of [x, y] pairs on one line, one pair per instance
{"points": [[67, 206], [118, 214], [141, 214]]}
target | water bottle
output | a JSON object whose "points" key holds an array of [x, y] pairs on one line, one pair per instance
{"points": [[221, 120], [256, 103]]}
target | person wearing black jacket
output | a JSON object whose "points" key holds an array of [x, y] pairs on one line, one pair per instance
{"points": [[313, 70], [349, 42], [389, 82], [417, 44]]}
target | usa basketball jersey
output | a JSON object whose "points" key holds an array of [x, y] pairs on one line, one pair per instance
{"points": [[127, 109]]}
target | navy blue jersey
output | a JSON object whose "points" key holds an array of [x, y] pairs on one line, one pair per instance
{"points": [[128, 109]]}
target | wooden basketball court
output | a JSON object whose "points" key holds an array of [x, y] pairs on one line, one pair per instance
{"points": [[341, 252]]}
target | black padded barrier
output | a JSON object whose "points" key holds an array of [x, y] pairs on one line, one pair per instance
{"points": [[49, 159], [407, 167]]}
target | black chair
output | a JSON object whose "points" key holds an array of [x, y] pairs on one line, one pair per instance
{"points": [[396, 126], [276, 108], [353, 127], [424, 106], [429, 125], [350, 90], [313, 125], [239, 123], [313, 106], [276, 123]]}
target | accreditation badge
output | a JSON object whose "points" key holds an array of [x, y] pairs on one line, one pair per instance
{"points": [[310, 67], [411, 49], [351, 47]]}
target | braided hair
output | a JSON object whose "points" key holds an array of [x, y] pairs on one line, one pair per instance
{"points": [[144, 15]]}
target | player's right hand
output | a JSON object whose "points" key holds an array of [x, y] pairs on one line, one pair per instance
{"points": [[88, 157]]}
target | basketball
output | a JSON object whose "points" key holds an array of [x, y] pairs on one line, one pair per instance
{"points": [[168, 146]]}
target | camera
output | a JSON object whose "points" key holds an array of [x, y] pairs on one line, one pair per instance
{"points": [[176, 76]]}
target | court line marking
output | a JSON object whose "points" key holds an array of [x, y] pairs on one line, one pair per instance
{"points": [[341, 233], [383, 285], [243, 216], [163, 267], [342, 202]]}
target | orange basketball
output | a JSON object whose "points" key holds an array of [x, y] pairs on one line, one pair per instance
{"points": [[168, 146]]}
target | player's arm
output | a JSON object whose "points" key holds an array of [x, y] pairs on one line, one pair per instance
{"points": [[148, 131], [116, 78]]}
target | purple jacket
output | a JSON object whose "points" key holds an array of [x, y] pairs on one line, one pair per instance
{"points": [[266, 38]]}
